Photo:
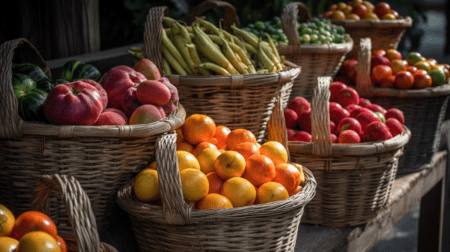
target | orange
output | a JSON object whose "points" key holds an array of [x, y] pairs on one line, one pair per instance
{"points": [[229, 164], [298, 189], [198, 128], [180, 137], [38, 241], [8, 244], [302, 174], [187, 160], [207, 158], [194, 183], [215, 182], [152, 165], [246, 149], [201, 146], [185, 146], [381, 72], [275, 151], [271, 191], [259, 170], [221, 136], [214, 201], [398, 65], [7, 221], [287, 175], [213, 141], [238, 136], [146, 185], [239, 191]]}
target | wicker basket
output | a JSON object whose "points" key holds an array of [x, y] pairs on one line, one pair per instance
{"points": [[423, 109], [353, 180], [101, 158], [238, 101], [78, 210], [384, 33], [176, 227], [315, 60]]}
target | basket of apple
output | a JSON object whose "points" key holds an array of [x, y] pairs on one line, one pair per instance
{"points": [[416, 85], [351, 146], [363, 19]]}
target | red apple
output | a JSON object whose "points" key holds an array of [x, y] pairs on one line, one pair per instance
{"points": [[153, 92], [299, 105], [332, 127], [376, 108], [366, 117], [376, 131], [363, 102], [335, 88], [333, 138], [304, 121], [395, 113], [378, 59], [333, 105], [290, 134], [395, 127], [348, 96], [349, 123], [290, 118], [302, 136], [349, 137], [337, 114]]}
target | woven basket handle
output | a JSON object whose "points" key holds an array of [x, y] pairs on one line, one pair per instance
{"points": [[320, 118], [153, 35], [78, 208], [289, 20], [230, 16], [10, 123], [176, 211], [276, 127], [363, 82]]}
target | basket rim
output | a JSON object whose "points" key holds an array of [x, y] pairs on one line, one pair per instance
{"points": [[235, 213], [174, 120], [436, 91], [403, 22], [322, 49], [237, 80], [359, 149]]}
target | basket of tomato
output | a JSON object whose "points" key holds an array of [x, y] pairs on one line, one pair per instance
{"points": [[34, 230], [415, 85]]}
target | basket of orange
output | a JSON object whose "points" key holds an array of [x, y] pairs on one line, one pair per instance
{"points": [[224, 72], [319, 58], [415, 85], [362, 19], [34, 230], [234, 195], [352, 152]]}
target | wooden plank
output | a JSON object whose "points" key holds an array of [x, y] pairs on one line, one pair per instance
{"points": [[431, 219], [406, 192], [103, 60]]}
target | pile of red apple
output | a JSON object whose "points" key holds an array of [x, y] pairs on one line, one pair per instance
{"points": [[124, 96], [352, 119]]}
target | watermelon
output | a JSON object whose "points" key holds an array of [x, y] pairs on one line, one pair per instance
{"points": [[30, 99], [77, 70], [33, 71]]}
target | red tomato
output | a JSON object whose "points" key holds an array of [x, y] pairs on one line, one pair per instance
{"points": [[404, 80], [62, 244], [33, 221]]}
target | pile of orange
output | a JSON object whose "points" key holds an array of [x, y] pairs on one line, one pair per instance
{"points": [[223, 168], [30, 232]]}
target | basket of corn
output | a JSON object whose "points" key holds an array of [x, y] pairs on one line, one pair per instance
{"points": [[234, 77]]}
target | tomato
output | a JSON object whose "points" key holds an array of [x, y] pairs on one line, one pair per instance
{"points": [[398, 65], [38, 241], [422, 80], [381, 72], [404, 80], [33, 221], [389, 82], [62, 244], [7, 221]]}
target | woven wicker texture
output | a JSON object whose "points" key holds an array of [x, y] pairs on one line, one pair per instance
{"points": [[385, 34], [315, 60], [77, 206], [238, 101], [353, 180], [423, 109], [101, 158], [175, 227]]}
